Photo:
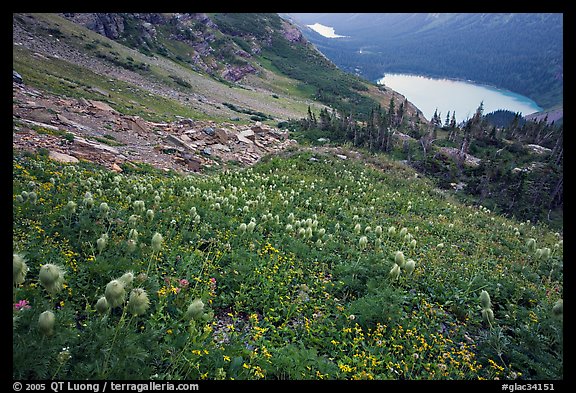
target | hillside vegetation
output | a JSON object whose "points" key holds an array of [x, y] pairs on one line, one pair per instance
{"points": [[305, 266]]}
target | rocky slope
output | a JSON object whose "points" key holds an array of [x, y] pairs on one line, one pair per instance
{"points": [[175, 91]]}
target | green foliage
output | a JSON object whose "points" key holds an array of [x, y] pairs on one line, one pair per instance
{"points": [[266, 302]]}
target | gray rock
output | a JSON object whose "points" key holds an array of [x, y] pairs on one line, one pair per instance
{"points": [[16, 77], [207, 151], [208, 131]]}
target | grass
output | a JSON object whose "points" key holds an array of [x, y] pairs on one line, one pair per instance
{"points": [[287, 288], [63, 78]]}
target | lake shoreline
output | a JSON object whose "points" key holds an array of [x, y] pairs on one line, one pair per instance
{"points": [[463, 96]]}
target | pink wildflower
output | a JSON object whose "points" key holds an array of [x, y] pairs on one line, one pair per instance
{"points": [[22, 304]]}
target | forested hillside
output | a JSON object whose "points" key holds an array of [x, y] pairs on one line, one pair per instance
{"points": [[521, 52]]}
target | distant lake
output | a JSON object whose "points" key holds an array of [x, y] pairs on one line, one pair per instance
{"points": [[325, 31], [429, 95]]}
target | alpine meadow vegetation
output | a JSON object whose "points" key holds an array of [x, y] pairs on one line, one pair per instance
{"points": [[290, 269]]}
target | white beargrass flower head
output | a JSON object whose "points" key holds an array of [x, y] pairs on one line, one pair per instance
{"points": [[104, 209], [410, 265], [101, 243], [115, 293], [138, 302], [102, 305], [485, 299], [133, 219], [488, 315], [391, 230], [127, 279], [242, 228], [52, 277], [395, 272], [46, 322], [131, 245], [195, 309], [133, 234], [558, 309], [399, 258], [19, 268], [531, 244], [363, 242], [357, 228], [71, 207], [157, 242], [150, 214], [250, 227]]}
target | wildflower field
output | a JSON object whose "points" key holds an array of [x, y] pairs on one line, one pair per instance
{"points": [[304, 266]]}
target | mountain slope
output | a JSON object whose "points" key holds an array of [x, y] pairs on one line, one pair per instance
{"points": [[262, 64]]}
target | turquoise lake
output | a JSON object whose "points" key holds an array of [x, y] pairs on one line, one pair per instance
{"points": [[443, 95]]}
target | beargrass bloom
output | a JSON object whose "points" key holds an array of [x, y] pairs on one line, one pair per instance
{"points": [[391, 230], [19, 268], [46, 322], [115, 293], [403, 231], [157, 242], [242, 228], [102, 305], [133, 219], [131, 245], [127, 279], [399, 258], [410, 265], [485, 299], [357, 228], [558, 308], [51, 277], [71, 207], [195, 309], [88, 200], [531, 244], [488, 315], [250, 227], [133, 234], [138, 302], [150, 214], [32, 196], [378, 231], [104, 209], [395, 272], [363, 242], [101, 244]]}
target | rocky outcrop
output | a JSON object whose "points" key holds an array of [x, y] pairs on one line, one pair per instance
{"points": [[110, 25], [79, 129]]}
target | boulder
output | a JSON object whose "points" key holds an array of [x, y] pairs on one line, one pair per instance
{"points": [[16, 77], [249, 134], [222, 135], [101, 106], [61, 157]]}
